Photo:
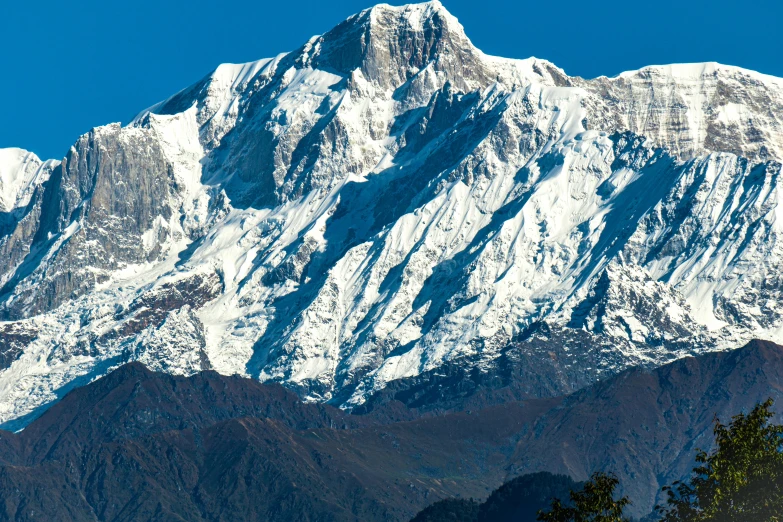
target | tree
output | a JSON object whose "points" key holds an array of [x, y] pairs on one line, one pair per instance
{"points": [[740, 481], [593, 503]]}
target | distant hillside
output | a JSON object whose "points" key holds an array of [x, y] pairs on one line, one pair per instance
{"points": [[141, 445], [518, 500]]}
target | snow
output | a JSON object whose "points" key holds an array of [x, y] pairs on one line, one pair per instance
{"points": [[731, 113], [705, 95], [697, 71], [20, 172]]}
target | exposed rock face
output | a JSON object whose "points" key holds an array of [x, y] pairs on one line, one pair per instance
{"points": [[694, 107], [22, 176], [388, 199], [388, 47], [14, 338], [114, 186]]}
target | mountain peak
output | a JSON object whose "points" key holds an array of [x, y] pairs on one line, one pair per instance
{"points": [[416, 14], [19, 169], [699, 70], [390, 44]]}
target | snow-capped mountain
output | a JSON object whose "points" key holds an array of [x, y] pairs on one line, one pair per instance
{"points": [[386, 199]]}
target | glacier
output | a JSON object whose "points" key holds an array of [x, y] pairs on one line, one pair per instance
{"points": [[387, 199]]}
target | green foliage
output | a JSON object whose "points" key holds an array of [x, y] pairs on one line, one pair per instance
{"points": [[594, 503], [740, 481]]}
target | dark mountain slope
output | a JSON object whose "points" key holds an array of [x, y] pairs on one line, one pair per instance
{"points": [[139, 445], [518, 500], [646, 425], [133, 401]]}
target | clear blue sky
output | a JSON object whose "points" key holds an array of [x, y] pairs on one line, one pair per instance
{"points": [[69, 66]]}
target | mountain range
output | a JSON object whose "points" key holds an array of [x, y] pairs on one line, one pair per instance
{"points": [[387, 209]]}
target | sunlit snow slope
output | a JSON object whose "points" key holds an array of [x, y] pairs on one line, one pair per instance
{"points": [[385, 199]]}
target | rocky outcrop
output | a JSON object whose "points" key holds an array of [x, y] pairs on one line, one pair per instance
{"points": [[690, 108], [113, 187]]}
